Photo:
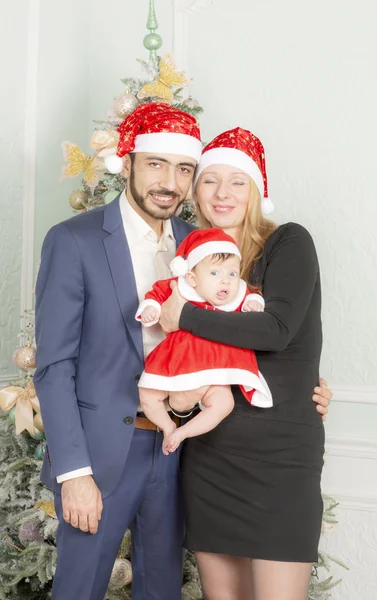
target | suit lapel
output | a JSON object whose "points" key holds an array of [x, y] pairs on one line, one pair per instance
{"points": [[120, 262], [180, 229], [119, 258]]}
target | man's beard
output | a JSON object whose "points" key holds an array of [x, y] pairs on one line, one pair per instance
{"points": [[158, 212]]}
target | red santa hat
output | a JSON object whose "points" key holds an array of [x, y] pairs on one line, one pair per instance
{"points": [[199, 244], [243, 150], [159, 128]]}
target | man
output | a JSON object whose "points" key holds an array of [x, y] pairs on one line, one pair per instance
{"points": [[95, 268], [104, 460]]}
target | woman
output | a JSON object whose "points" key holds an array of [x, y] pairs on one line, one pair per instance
{"points": [[252, 485]]}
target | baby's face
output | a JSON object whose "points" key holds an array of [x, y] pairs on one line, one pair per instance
{"points": [[217, 281]]}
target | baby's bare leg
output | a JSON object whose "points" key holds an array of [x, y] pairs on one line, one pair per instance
{"points": [[152, 403], [218, 402]]}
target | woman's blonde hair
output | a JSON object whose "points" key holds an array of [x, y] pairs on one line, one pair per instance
{"points": [[256, 230]]}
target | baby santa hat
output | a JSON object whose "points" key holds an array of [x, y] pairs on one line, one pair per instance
{"points": [[243, 150], [159, 128], [199, 244]]}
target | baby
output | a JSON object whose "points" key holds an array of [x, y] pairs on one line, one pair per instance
{"points": [[203, 370]]}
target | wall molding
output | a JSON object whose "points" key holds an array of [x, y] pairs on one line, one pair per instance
{"points": [[351, 447], [5, 379], [348, 476], [182, 9], [193, 6], [360, 503], [355, 394], [30, 143]]}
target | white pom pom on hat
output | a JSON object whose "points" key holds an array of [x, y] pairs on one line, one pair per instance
{"points": [[114, 164], [267, 206], [179, 266]]}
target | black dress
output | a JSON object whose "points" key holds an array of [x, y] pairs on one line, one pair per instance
{"points": [[252, 485]]}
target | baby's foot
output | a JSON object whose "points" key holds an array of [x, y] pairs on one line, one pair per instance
{"points": [[175, 439], [167, 434]]}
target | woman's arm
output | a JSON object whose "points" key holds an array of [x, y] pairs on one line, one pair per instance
{"points": [[288, 286], [300, 266]]}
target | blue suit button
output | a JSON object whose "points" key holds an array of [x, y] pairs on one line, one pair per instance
{"points": [[128, 420]]}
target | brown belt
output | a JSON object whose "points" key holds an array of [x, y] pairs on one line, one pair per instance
{"points": [[144, 423]]}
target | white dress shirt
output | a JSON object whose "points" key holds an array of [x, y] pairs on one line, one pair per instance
{"points": [[150, 260]]}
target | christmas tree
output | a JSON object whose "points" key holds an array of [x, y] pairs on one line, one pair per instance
{"points": [[28, 522]]}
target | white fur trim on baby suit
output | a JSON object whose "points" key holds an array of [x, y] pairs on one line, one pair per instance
{"points": [[191, 381], [142, 306]]}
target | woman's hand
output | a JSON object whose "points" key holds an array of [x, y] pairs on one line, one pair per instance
{"points": [[322, 396], [171, 310]]}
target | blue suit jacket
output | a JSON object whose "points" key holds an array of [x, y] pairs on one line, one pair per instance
{"points": [[89, 345]]}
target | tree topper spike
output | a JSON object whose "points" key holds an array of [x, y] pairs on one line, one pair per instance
{"points": [[152, 23], [152, 41]]}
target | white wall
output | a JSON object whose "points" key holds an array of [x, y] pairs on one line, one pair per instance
{"points": [[350, 477], [44, 100], [12, 109], [302, 77], [62, 107]]}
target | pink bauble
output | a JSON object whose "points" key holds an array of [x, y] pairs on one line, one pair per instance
{"points": [[25, 358]]}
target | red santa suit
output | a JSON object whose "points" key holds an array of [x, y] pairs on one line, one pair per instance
{"points": [[186, 362]]}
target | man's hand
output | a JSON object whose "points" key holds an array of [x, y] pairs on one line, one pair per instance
{"points": [[82, 503], [149, 314], [171, 310], [323, 396]]}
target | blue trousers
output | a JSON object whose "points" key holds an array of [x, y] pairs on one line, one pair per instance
{"points": [[148, 500]]}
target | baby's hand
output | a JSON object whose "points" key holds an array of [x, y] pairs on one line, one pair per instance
{"points": [[253, 306], [149, 314]]}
